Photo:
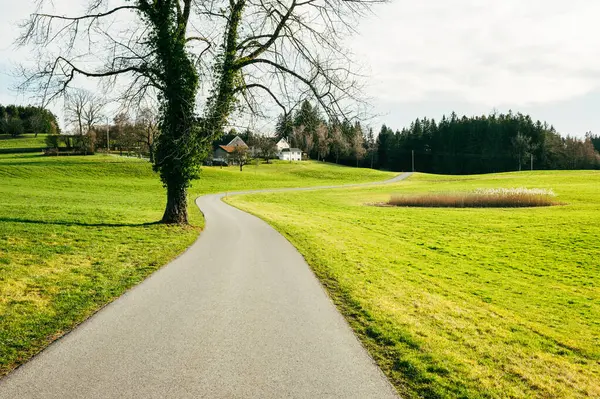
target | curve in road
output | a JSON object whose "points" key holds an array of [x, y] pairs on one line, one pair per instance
{"points": [[238, 315]]}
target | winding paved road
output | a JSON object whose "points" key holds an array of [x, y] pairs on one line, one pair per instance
{"points": [[238, 315]]}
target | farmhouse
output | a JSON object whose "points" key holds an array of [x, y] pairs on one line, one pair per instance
{"points": [[291, 154], [286, 153], [281, 144], [223, 153]]}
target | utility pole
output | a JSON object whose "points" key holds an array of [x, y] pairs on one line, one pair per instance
{"points": [[107, 136], [413, 160]]}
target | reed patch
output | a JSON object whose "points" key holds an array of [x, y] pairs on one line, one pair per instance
{"points": [[480, 198]]}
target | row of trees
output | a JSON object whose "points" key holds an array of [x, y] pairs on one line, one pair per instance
{"points": [[343, 142], [17, 119], [89, 129], [483, 144], [480, 144]]}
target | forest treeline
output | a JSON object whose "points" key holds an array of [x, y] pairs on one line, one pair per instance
{"points": [[453, 145], [17, 119]]}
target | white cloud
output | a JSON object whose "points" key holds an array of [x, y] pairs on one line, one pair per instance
{"points": [[492, 53]]}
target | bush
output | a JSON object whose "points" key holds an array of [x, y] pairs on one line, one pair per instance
{"points": [[52, 140], [13, 126], [481, 198]]}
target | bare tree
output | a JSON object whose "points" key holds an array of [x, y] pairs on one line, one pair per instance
{"points": [[246, 50], [147, 129], [38, 124], [339, 144], [267, 148], [358, 140], [240, 155], [303, 138], [323, 141], [83, 110]]}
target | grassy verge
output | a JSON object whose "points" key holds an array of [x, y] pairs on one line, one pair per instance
{"points": [[477, 303], [76, 232]]}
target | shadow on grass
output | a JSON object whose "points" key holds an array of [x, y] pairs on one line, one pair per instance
{"points": [[73, 223]]}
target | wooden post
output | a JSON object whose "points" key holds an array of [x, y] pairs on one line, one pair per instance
{"points": [[413, 160]]}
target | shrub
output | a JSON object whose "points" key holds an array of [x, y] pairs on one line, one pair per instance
{"points": [[480, 198], [13, 126], [52, 140]]}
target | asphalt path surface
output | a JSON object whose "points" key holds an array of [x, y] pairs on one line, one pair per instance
{"points": [[238, 315]]}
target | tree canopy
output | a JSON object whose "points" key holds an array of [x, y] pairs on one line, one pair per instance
{"points": [[18, 119], [482, 144]]}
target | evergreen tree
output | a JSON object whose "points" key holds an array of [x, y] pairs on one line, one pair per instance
{"points": [[483, 144]]}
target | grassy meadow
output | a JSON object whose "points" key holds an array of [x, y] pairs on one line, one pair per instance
{"points": [[460, 303], [76, 232], [24, 141]]}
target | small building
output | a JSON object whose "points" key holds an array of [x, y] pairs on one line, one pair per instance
{"points": [[223, 153], [290, 154]]}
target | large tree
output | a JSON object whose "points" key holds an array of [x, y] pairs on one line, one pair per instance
{"points": [[246, 50]]}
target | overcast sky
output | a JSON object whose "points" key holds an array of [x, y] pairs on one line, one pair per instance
{"points": [[427, 58]]}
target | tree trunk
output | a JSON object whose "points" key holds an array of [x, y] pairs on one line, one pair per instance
{"points": [[241, 166], [151, 153], [176, 210]]}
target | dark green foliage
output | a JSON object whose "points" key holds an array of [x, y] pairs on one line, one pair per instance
{"points": [[308, 116], [284, 127], [179, 148], [482, 144], [53, 141], [13, 126], [31, 120]]}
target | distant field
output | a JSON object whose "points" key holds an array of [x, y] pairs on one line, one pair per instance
{"points": [[76, 232], [477, 303], [24, 141]]}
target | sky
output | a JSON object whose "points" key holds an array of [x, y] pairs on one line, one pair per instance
{"points": [[428, 58]]}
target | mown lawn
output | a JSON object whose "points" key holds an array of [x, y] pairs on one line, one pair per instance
{"points": [[472, 303], [76, 232], [22, 141]]}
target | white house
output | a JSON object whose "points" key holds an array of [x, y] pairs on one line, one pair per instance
{"points": [[286, 153], [290, 154], [281, 144]]}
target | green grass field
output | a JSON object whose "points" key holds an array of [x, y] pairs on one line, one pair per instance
{"points": [[472, 303], [76, 232], [24, 141]]}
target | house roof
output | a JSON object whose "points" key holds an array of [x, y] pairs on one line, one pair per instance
{"points": [[237, 140], [227, 148]]}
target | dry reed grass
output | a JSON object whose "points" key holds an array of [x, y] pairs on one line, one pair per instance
{"points": [[480, 198]]}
